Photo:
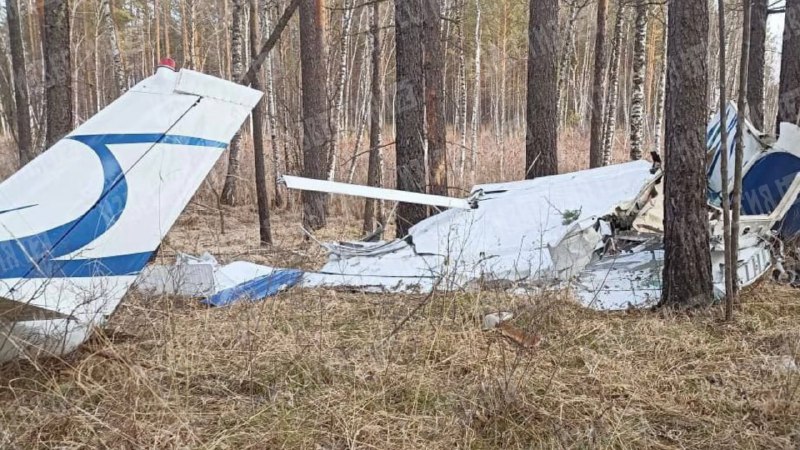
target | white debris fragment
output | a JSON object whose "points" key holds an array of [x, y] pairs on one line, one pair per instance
{"points": [[491, 321]]}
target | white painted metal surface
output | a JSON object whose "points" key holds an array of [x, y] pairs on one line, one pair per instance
{"points": [[335, 187], [79, 222]]}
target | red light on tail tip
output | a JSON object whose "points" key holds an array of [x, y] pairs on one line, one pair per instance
{"points": [[167, 62]]}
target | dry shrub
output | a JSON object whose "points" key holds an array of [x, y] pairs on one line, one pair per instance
{"points": [[326, 369]]}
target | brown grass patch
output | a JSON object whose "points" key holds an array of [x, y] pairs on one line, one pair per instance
{"points": [[322, 369]]}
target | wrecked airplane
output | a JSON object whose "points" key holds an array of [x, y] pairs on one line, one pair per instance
{"points": [[73, 245], [81, 220], [597, 231]]}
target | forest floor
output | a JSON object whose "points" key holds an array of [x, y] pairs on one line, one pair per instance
{"points": [[322, 369]]}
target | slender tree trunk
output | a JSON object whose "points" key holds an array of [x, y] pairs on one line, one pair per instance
{"points": [[275, 137], [229, 190], [157, 16], [687, 265], [57, 69], [117, 63], [258, 136], [434, 102], [757, 63], [610, 121], [23, 112], [476, 98], [316, 125], [541, 142], [409, 111], [462, 77], [598, 87], [344, 45], [789, 95], [740, 136], [726, 200], [639, 76], [661, 91], [376, 106]]}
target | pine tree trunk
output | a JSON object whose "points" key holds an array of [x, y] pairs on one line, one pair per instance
{"points": [[375, 108], [434, 102], [57, 70], [23, 113], [639, 75], [117, 64], [316, 125], [687, 265], [757, 63], [541, 143], [789, 95], [598, 87], [229, 190], [610, 120], [409, 111], [262, 196]]}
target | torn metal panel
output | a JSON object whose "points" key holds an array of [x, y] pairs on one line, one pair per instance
{"points": [[507, 237]]}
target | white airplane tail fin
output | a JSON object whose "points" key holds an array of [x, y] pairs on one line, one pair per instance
{"points": [[80, 221]]}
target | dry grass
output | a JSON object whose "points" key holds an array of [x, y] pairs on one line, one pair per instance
{"points": [[322, 369]]}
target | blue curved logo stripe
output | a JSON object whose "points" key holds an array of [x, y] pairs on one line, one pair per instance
{"points": [[36, 256]]}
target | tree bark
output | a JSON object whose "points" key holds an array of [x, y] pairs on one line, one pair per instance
{"points": [[229, 190], [726, 200], [341, 80], [409, 111], [598, 87], [434, 102], [375, 108], [687, 266], [262, 196], [23, 113], [757, 63], [118, 65], [639, 75], [789, 95], [541, 142], [316, 125], [740, 135], [275, 137], [57, 70], [610, 121], [476, 97]]}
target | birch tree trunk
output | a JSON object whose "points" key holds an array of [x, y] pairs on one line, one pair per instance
{"points": [[23, 112], [275, 137], [610, 120], [660, 94], [229, 190], [476, 100], [57, 70], [639, 76], [117, 63], [344, 45]]}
